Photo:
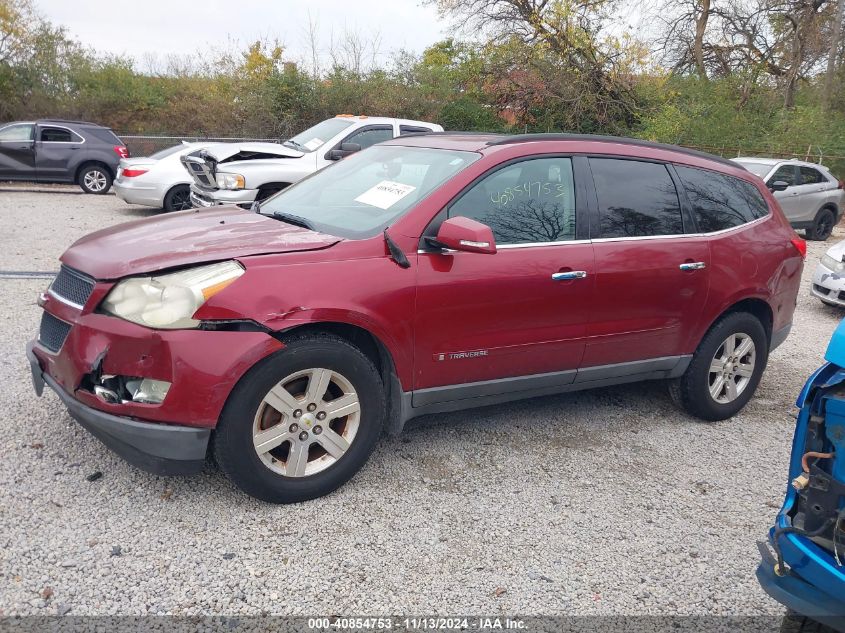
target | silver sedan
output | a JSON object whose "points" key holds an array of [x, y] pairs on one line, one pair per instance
{"points": [[158, 180]]}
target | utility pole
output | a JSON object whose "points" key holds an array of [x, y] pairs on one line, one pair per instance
{"points": [[834, 52]]}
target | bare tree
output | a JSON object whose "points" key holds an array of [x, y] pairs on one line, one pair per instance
{"points": [[833, 53]]}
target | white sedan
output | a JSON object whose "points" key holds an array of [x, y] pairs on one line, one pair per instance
{"points": [[158, 180], [829, 278]]}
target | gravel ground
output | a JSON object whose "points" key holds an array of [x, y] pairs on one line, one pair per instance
{"points": [[601, 502]]}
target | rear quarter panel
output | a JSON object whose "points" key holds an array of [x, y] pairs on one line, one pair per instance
{"points": [[754, 261]]}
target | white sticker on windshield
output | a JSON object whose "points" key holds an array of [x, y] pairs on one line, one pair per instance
{"points": [[385, 194], [313, 144]]}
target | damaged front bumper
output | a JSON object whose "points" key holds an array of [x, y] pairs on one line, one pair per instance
{"points": [[203, 198], [99, 351], [162, 449]]}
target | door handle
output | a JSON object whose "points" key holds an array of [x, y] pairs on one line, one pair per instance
{"points": [[692, 266], [568, 275]]}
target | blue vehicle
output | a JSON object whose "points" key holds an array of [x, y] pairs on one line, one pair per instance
{"points": [[803, 563]]}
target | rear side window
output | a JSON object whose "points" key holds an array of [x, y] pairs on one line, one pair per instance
{"points": [[719, 201], [104, 134], [532, 201], [810, 176], [58, 135], [635, 198]]}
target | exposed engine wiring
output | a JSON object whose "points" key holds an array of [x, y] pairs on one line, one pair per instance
{"points": [[806, 467], [791, 529]]}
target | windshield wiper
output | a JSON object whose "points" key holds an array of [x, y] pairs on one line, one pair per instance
{"points": [[295, 145], [290, 218]]}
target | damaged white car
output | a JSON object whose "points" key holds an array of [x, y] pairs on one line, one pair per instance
{"points": [[829, 278], [242, 173]]}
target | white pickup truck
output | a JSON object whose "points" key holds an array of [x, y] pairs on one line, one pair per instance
{"points": [[241, 173]]}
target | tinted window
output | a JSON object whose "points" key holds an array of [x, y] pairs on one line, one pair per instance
{"points": [[366, 138], [635, 198], [103, 134], [16, 133], [785, 173], [529, 201], [412, 129], [810, 176], [58, 135], [719, 201]]}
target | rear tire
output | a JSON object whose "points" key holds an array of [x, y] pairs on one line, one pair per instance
{"points": [[269, 469], [178, 199], [822, 226], [95, 179], [794, 623], [713, 368]]}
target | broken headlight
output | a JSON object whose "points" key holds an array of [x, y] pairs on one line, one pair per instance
{"points": [[831, 264], [170, 301]]}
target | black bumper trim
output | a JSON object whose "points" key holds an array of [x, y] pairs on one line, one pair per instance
{"points": [[161, 449]]}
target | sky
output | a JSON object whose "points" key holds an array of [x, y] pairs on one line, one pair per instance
{"points": [[181, 27]]}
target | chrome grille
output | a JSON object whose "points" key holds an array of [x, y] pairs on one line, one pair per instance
{"points": [[53, 332], [72, 286], [200, 169]]}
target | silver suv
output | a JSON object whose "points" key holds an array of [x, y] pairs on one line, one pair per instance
{"points": [[811, 198]]}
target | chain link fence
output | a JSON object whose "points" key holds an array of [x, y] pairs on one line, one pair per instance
{"points": [[145, 145]]}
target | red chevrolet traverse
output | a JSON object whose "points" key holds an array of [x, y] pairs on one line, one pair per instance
{"points": [[425, 274]]}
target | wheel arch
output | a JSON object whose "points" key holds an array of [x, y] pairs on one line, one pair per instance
{"points": [[373, 348], [753, 305], [91, 163]]}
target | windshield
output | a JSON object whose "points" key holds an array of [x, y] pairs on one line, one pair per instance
{"points": [[363, 194], [169, 151], [315, 137], [758, 169]]}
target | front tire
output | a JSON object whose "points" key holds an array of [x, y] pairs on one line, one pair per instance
{"points": [[95, 179], [822, 226], [725, 369], [302, 422]]}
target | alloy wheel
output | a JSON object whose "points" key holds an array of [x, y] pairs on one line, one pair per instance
{"points": [[732, 368], [306, 422], [181, 200], [95, 180]]}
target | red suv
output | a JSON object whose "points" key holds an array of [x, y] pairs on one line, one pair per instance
{"points": [[425, 274]]}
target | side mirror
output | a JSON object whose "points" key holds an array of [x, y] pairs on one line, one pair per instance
{"points": [[345, 150], [779, 185], [465, 234]]}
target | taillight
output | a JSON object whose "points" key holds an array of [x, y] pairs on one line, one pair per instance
{"points": [[122, 151], [131, 173], [800, 246], [841, 185]]}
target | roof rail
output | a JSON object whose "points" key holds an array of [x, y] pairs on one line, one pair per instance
{"points": [[69, 121], [597, 138]]}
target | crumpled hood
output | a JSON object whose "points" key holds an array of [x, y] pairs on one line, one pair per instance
{"points": [[223, 151], [187, 237]]}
